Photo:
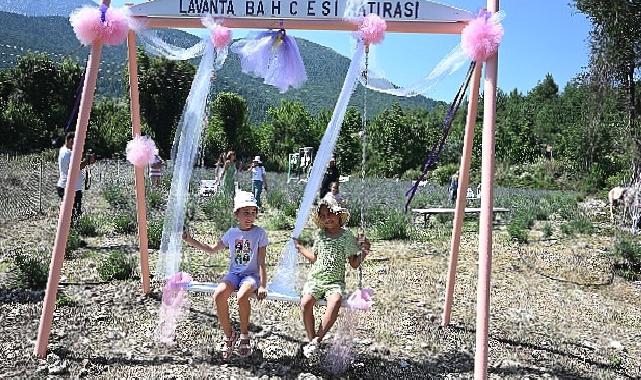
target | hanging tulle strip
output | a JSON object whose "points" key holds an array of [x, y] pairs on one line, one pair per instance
{"points": [[220, 37], [190, 130], [450, 64], [155, 45], [286, 277], [274, 56]]}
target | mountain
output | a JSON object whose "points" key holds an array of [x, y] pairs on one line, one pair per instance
{"points": [[325, 67], [43, 7]]}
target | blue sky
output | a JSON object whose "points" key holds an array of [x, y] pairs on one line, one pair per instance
{"points": [[539, 39]]}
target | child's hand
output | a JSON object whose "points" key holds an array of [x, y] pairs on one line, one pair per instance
{"points": [[364, 244], [261, 293], [298, 245]]}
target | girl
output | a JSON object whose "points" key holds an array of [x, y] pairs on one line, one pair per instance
{"points": [[334, 245], [229, 173], [155, 169], [247, 245]]}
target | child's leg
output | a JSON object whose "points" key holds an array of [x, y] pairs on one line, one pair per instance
{"points": [[221, 297], [247, 288], [307, 306], [333, 306]]}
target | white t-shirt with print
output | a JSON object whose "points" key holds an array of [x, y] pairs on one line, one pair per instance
{"points": [[243, 248], [64, 159], [257, 173]]}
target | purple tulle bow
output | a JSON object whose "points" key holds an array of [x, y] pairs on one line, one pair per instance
{"points": [[274, 56]]}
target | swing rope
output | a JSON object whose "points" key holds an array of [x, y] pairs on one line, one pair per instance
{"points": [[434, 154]]}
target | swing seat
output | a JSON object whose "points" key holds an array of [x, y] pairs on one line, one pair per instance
{"points": [[210, 287]]}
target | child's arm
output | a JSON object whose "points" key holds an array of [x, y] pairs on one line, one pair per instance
{"points": [[305, 251], [202, 246], [262, 273], [357, 260]]}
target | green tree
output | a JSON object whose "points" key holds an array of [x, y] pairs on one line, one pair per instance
{"points": [[47, 87], [164, 86], [348, 147], [20, 128], [229, 112], [616, 56], [110, 127], [290, 127]]}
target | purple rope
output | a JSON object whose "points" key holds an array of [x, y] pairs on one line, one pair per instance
{"points": [[434, 154], [103, 13], [76, 105]]}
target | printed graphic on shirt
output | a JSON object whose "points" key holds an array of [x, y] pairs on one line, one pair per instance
{"points": [[242, 251]]}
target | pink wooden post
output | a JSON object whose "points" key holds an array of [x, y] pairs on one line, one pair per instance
{"points": [[461, 199], [64, 220], [138, 172], [485, 219]]}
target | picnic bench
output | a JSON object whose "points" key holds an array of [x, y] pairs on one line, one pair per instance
{"points": [[425, 213], [207, 187]]}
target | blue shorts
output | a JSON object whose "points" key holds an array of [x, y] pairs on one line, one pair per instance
{"points": [[237, 280]]}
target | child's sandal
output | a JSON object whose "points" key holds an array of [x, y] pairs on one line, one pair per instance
{"points": [[227, 345], [244, 347]]}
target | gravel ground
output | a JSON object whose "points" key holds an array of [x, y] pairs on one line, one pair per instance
{"points": [[557, 312]]}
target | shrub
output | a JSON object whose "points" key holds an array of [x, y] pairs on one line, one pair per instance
{"points": [[64, 300], [73, 242], [115, 196], [290, 209], [118, 265], [628, 252], [218, 208], [517, 231], [276, 199], [87, 225], [547, 230], [31, 270], [279, 221], [155, 199], [580, 225], [125, 223], [154, 233], [394, 227]]}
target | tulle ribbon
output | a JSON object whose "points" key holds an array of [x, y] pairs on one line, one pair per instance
{"points": [[274, 56], [479, 42]]}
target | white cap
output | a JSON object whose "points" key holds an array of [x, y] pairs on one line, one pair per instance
{"points": [[257, 159], [244, 199]]}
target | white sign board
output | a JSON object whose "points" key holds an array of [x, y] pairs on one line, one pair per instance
{"points": [[397, 10]]}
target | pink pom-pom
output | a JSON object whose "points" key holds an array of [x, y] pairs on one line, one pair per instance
{"points": [[481, 38], [220, 36], [362, 299], [373, 28], [88, 26], [141, 151]]}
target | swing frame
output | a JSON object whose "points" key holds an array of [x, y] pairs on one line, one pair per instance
{"points": [[394, 26]]}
